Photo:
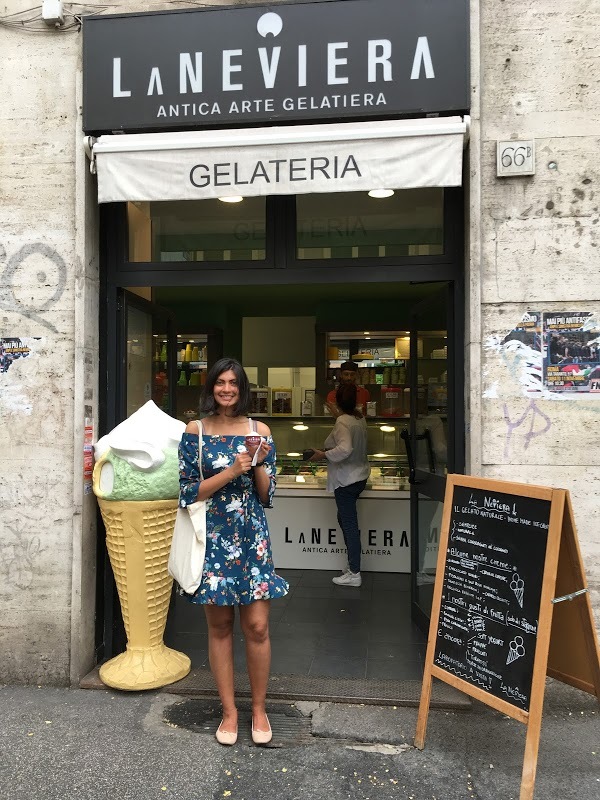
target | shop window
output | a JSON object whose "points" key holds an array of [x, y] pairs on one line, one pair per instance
{"points": [[197, 230], [352, 225]]}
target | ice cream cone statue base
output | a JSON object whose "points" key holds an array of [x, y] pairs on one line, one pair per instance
{"points": [[138, 540]]}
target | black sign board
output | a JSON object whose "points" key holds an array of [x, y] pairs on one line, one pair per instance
{"points": [[491, 591], [245, 65], [505, 550]]}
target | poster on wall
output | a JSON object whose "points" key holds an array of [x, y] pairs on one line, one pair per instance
{"points": [[525, 342], [12, 349], [571, 352]]}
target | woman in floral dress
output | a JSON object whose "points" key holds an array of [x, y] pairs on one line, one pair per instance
{"points": [[238, 566]]}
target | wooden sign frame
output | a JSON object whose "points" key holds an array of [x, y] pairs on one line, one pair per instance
{"points": [[566, 643]]}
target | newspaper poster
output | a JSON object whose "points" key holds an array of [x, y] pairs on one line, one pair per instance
{"points": [[571, 351]]}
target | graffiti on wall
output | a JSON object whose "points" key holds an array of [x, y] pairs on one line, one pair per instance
{"points": [[19, 555], [50, 273], [533, 421]]}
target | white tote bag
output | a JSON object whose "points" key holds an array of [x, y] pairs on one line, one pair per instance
{"points": [[186, 559]]}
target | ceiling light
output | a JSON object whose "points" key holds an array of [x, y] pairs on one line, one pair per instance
{"points": [[234, 198], [300, 427], [380, 455], [366, 332], [380, 194], [294, 455], [387, 428]]}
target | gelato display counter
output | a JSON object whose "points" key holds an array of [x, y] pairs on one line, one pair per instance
{"points": [[303, 524]]}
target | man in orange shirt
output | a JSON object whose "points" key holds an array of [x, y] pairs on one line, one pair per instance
{"points": [[349, 374]]}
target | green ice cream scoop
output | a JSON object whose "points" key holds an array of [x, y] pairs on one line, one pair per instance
{"points": [[115, 479]]}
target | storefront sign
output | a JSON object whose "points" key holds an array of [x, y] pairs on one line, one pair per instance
{"points": [[356, 58], [305, 534], [301, 159]]}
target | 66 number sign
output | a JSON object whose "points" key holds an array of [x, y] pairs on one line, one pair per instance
{"points": [[515, 158]]}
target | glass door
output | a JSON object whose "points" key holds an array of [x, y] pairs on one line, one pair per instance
{"points": [[149, 356], [430, 437]]}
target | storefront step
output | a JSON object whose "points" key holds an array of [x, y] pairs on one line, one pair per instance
{"points": [[317, 688]]}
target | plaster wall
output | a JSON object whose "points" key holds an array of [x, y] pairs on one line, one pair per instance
{"points": [[534, 243], [48, 298]]}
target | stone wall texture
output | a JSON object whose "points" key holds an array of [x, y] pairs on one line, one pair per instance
{"points": [[533, 245], [539, 240], [38, 275]]}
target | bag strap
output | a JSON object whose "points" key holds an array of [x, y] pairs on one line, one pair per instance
{"points": [[200, 445]]}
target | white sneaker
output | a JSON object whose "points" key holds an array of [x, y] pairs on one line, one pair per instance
{"points": [[348, 579]]}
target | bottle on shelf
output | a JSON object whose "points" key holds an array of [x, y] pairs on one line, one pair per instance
{"points": [[188, 352], [182, 379], [195, 356], [163, 352]]}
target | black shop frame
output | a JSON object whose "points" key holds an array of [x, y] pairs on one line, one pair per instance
{"points": [[280, 267]]}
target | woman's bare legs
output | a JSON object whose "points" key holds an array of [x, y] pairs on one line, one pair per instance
{"points": [[220, 654], [254, 619]]}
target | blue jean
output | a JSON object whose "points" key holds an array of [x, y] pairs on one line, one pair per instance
{"points": [[345, 498]]}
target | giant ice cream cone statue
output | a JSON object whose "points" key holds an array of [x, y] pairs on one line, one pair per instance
{"points": [[129, 477]]}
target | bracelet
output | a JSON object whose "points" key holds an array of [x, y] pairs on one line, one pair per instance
{"points": [[259, 464]]}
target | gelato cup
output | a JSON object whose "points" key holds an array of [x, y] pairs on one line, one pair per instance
{"points": [[252, 443]]}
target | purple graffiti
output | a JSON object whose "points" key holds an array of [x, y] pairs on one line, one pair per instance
{"points": [[531, 412]]}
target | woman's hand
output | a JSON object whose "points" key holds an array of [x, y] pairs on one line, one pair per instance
{"points": [[241, 465], [318, 455], [263, 451]]}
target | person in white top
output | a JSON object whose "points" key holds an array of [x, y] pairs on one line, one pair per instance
{"points": [[347, 472]]}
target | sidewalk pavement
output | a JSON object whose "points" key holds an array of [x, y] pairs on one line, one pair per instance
{"points": [[72, 744]]}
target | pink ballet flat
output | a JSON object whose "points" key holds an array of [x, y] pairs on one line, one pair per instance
{"points": [[225, 737], [261, 737]]}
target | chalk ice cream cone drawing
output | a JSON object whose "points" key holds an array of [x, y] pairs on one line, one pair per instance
{"points": [[516, 649], [517, 585], [136, 481]]}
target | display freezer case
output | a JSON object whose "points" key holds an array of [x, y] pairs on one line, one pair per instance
{"points": [[385, 447]]}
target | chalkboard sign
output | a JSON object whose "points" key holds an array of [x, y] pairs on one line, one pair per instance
{"points": [[505, 550], [491, 591]]}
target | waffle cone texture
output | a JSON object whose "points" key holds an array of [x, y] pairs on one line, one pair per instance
{"points": [[138, 540]]}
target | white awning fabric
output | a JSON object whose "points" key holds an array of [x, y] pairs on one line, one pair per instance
{"points": [[300, 159]]}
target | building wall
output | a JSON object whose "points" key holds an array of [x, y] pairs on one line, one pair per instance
{"points": [[535, 243], [41, 283], [532, 245]]}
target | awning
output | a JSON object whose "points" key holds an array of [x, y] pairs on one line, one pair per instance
{"points": [[300, 159]]}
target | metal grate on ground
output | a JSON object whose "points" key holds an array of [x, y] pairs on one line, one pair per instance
{"points": [[204, 716], [330, 689]]}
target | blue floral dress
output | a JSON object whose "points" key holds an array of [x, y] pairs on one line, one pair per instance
{"points": [[238, 566]]}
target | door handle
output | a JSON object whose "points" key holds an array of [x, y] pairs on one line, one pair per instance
{"points": [[412, 479]]}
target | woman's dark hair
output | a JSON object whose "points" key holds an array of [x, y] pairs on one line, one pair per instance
{"points": [[345, 397], [207, 399]]}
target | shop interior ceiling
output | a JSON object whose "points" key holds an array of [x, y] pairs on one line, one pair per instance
{"points": [[365, 302]]}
